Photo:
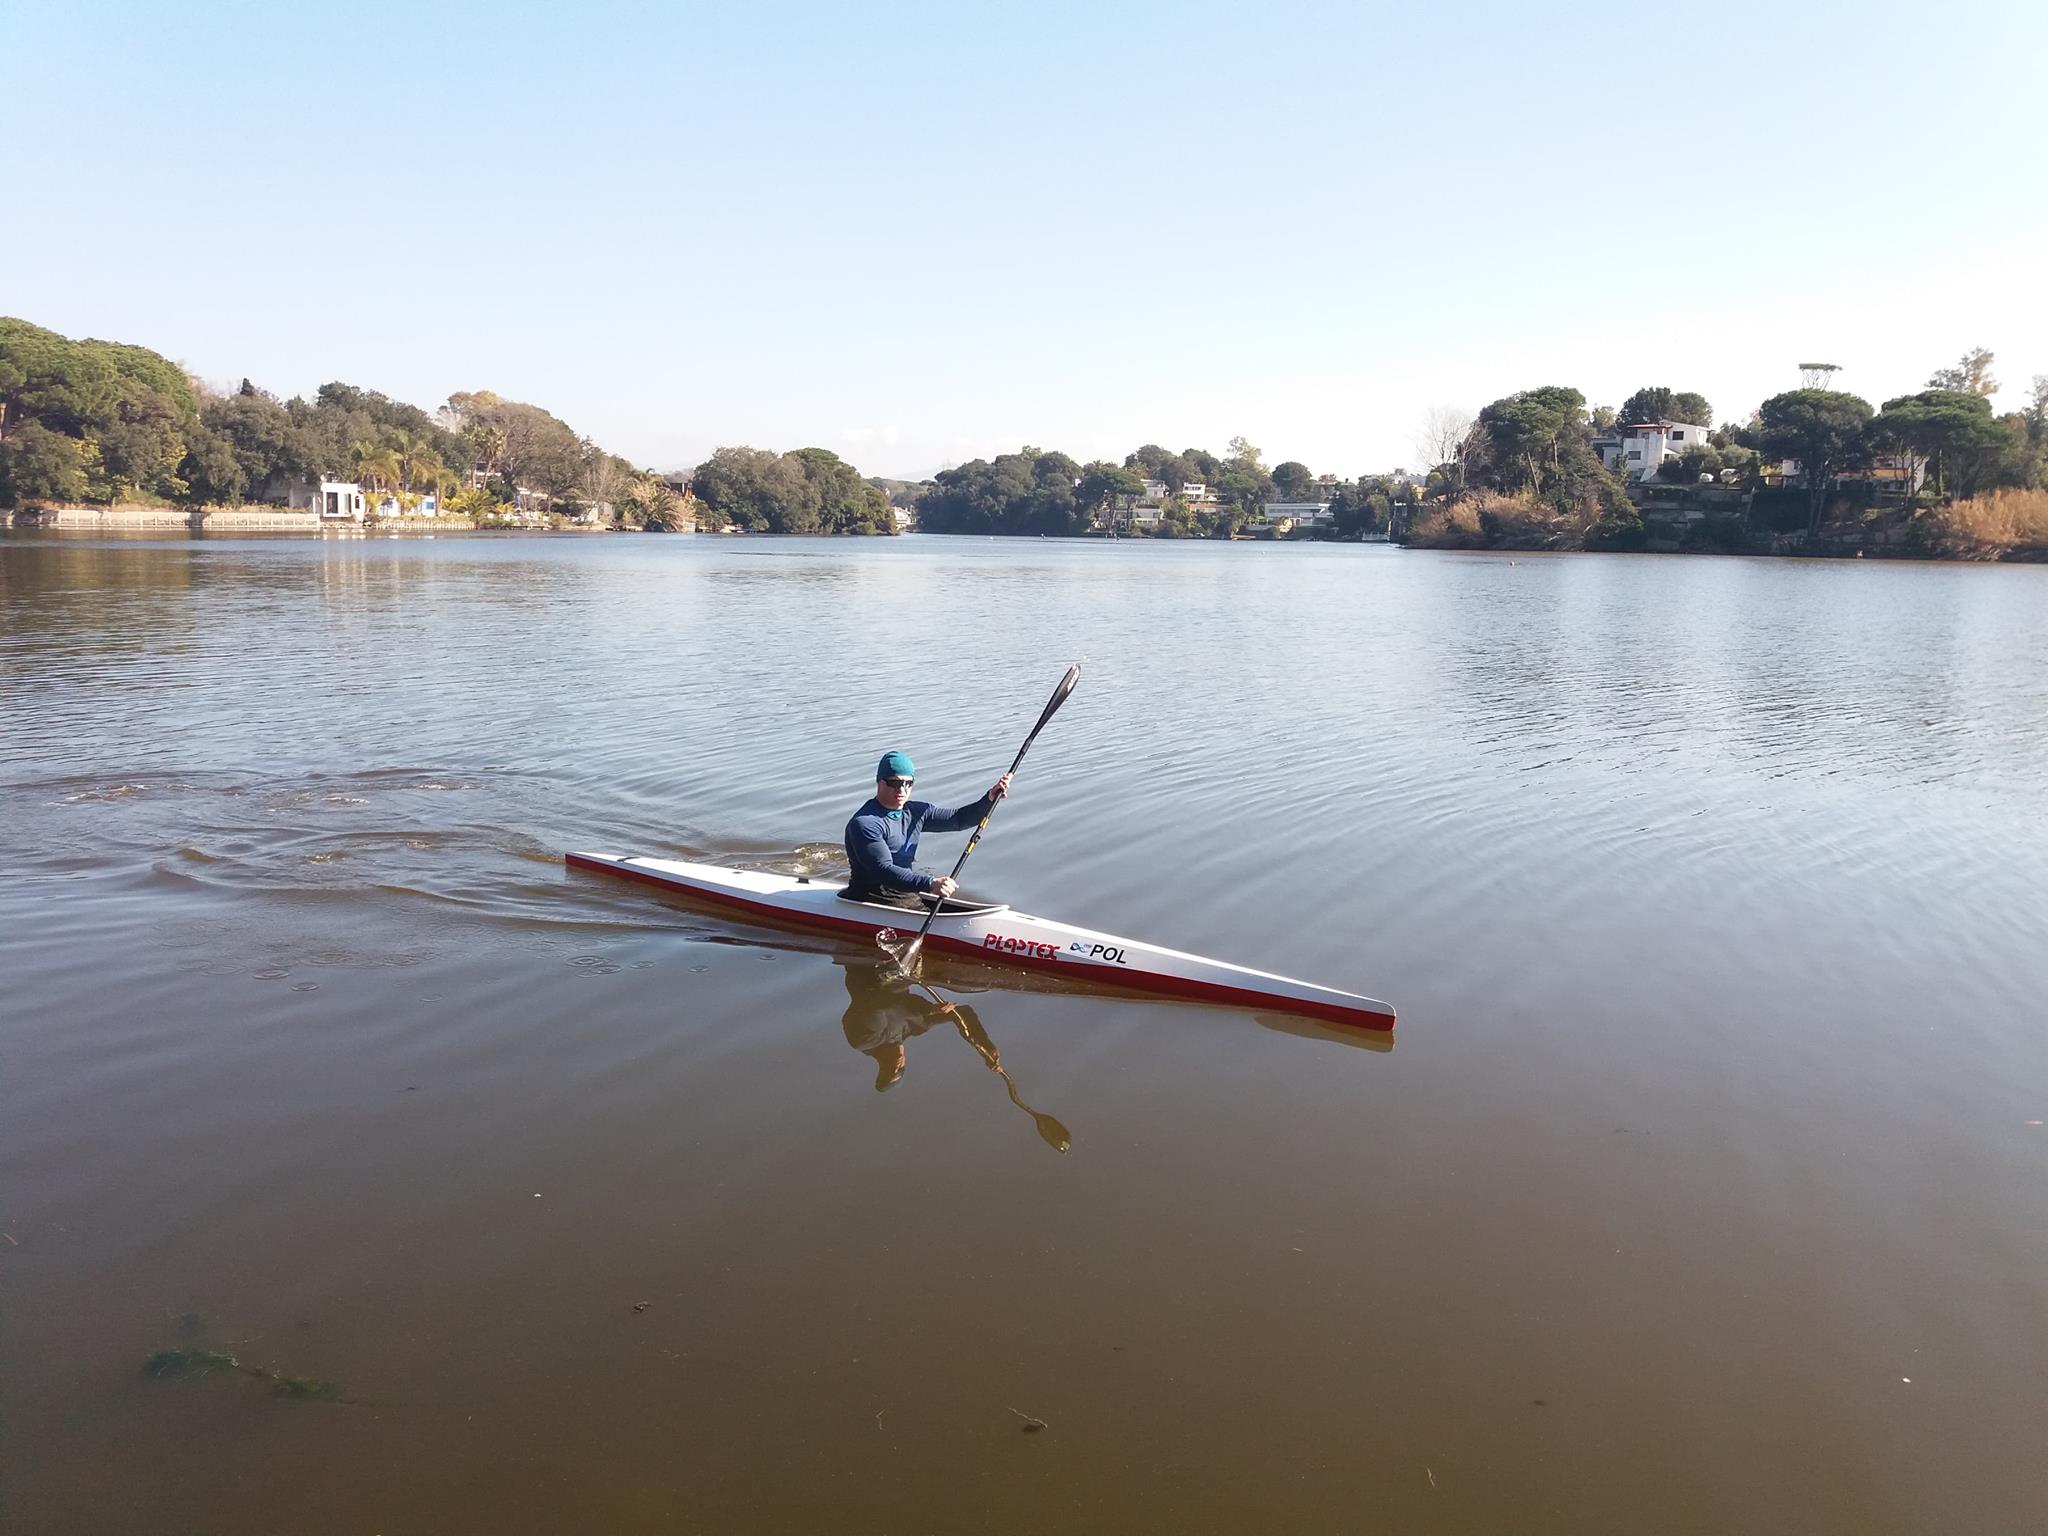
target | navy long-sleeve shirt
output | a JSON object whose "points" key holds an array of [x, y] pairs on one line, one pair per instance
{"points": [[881, 846]]}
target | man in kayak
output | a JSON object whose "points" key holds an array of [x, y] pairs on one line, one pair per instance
{"points": [[881, 839]]}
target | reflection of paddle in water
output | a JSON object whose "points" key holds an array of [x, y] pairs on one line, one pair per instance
{"points": [[1050, 1130], [882, 1014]]}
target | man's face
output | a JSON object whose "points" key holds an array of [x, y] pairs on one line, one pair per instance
{"points": [[892, 794]]}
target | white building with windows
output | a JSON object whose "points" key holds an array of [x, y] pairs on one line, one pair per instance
{"points": [[337, 501], [1634, 450], [1298, 514]]}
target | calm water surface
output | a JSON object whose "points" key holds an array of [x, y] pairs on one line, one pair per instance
{"points": [[1704, 1190]]}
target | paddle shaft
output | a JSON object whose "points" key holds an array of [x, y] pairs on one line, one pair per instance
{"points": [[1059, 697]]}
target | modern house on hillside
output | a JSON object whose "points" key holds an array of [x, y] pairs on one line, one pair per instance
{"points": [[1286, 515], [1635, 450]]}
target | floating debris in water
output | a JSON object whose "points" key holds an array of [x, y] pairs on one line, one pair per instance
{"points": [[308, 1387], [196, 1363], [199, 1364]]}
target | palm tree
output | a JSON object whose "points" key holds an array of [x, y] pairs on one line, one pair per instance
{"points": [[380, 469], [486, 443], [413, 453], [655, 500]]}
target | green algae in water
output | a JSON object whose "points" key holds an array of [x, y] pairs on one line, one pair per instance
{"points": [[198, 1364], [190, 1364], [307, 1388]]}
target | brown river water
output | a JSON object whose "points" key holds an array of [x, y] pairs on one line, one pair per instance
{"points": [[1703, 1189]]}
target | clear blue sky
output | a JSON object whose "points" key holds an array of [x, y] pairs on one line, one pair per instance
{"points": [[921, 233]]}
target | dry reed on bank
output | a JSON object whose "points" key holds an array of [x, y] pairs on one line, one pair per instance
{"points": [[1488, 519], [1998, 520]]}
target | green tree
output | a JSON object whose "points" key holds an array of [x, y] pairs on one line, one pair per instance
{"points": [[376, 467], [39, 466], [1660, 404], [756, 490], [1966, 448], [648, 503], [1825, 430], [212, 469], [142, 444], [1294, 481], [1528, 436], [417, 460], [49, 378], [1104, 484], [846, 503], [1360, 507], [1028, 492], [1153, 462], [271, 449]]}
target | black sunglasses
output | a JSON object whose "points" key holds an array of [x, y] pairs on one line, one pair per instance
{"points": [[899, 783]]}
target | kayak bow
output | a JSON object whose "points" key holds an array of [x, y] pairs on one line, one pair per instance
{"points": [[998, 932]]}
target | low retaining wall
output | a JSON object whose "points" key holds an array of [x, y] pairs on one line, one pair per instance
{"points": [[181, 519], [217, 520]]}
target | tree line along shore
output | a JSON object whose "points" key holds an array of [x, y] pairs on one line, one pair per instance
{"points": [[1938, 473]]}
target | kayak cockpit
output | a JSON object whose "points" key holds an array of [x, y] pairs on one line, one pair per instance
{"points": [[952, 906]]}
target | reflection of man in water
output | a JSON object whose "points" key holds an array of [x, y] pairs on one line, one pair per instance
{"points": [[883, 1010]]}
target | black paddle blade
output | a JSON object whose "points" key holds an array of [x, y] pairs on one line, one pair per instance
{"points": [[1059, 696]]}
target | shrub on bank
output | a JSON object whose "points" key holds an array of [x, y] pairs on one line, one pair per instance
{"points": [[1989, 525], [1452, 526]]}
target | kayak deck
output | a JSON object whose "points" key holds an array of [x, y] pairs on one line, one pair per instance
{"points": [[999, 932]]}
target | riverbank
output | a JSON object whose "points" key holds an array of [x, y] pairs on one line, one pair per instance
{"points": [[2007, 526]]}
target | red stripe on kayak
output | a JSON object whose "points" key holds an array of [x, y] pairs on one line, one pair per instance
{"points": [[1138, 981]]}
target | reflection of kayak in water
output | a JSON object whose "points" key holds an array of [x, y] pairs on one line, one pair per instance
{"points": [[994, 932]]}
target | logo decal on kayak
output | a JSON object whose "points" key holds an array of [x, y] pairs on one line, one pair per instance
{"points": [[1010, 946], [1098, 951]]}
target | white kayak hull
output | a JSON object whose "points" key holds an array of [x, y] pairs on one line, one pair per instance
{"points": [[1000, 933]]}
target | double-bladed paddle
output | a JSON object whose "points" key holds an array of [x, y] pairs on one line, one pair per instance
{"points": [[907, 958]]}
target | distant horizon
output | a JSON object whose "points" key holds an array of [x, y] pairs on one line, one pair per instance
{"points": [[917, 239]]}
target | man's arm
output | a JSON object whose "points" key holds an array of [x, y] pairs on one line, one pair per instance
{"points": [[868, 852], [957, 821], [936, 820]]}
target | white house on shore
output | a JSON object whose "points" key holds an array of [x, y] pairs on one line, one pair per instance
{"points": [[337, 501], [1285, 515], [1635, 450]]}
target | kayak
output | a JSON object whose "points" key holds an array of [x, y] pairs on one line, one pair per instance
{"points": [[997, 932]]}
